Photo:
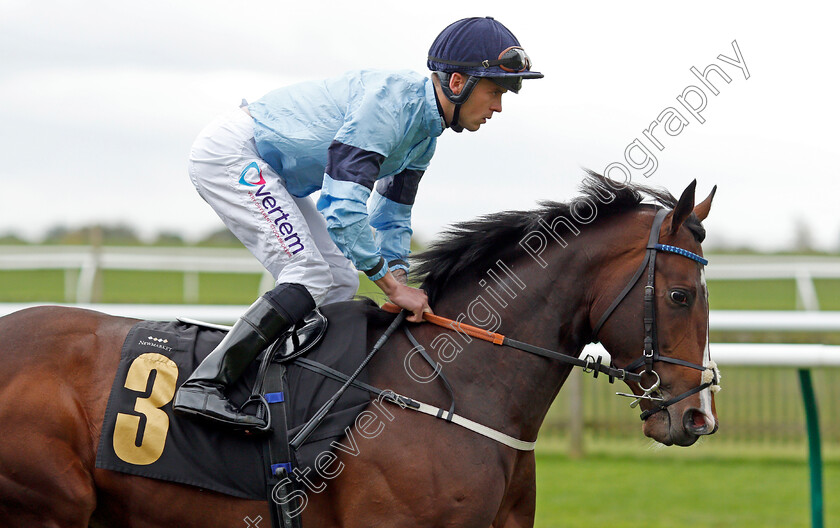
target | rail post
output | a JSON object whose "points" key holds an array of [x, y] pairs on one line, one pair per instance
{"points": [[812, 423]]}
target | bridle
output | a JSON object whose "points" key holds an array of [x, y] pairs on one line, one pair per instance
{"points": [[650, 353], [589, 364]]}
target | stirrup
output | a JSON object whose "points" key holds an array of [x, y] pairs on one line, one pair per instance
{"points": [[262, 412]]}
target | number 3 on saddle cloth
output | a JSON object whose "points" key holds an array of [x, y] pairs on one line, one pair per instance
{"points": [[142, 436]]}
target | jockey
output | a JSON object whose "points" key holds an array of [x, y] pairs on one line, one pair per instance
{"points": [[257, 165]]}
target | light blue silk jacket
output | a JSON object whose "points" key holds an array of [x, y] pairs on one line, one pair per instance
{"points": [[346, 136]]}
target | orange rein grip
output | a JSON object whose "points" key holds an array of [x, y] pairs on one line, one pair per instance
{"points": [[472, 331]]}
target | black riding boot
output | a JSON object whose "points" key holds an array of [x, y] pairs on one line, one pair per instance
{"points": [[203, 394]]}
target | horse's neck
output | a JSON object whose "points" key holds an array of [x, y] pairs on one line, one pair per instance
{"points": [[547, 307]]}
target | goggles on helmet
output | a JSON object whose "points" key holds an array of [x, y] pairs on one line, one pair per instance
{"points": [[512, 60]]}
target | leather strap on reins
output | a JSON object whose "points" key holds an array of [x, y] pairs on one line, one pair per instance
{"points": [[589, 364]]}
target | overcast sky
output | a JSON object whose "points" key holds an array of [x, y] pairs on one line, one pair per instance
{"points": [[100, 102]]}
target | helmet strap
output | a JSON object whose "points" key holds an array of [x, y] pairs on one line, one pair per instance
{"points": [[456, 114], [459, 98]]}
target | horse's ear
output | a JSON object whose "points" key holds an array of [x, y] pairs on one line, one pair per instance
{"points": [[684, 207], [702, 209]]}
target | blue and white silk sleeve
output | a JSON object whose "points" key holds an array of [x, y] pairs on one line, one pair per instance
{"points": [[350, 175], [390, 214]]}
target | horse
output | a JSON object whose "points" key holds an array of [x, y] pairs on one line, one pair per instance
{"points": [[556, 277]]}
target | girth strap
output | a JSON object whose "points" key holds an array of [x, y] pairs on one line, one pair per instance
{"points": [[408, 403]]}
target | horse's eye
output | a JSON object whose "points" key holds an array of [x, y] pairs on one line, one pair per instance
{"points": [[679, 297]]}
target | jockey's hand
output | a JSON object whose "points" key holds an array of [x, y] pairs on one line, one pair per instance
{"points": [[406, 297]]}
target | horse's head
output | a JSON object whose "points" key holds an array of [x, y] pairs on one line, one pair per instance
{"points": [[657, 324]]}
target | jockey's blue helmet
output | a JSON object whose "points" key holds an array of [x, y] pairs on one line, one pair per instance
{"points": [[479, 47], [482, 47]]}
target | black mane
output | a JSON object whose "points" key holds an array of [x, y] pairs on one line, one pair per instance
{"points": [[479, 243]]}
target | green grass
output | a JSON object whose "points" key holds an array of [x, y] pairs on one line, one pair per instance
{"points": [[752, 295], [777, 294], [32, 286], [228, 288], [141, 287], [829, 293], [168, 287], [655, 489]]}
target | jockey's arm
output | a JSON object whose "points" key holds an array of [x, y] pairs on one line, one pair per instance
{"points": [[343, 202]]}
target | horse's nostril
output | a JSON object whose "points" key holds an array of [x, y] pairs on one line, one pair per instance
{"points": [[695, 421]]}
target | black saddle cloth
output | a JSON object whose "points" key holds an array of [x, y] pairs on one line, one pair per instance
{"points": [[141, 435]]}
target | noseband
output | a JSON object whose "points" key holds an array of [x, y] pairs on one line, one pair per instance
{"points": [[650, 353]]}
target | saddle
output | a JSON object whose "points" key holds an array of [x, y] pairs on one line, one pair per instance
{"points": [[302, 338], [291, 381]]}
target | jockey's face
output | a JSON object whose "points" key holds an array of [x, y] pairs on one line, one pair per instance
{"points": [[485, 99]]}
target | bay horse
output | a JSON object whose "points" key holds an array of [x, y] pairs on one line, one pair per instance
{"points": [[550, 276]]}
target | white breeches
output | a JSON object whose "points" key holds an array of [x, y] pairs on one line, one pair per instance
{"points": [[286, 234]]}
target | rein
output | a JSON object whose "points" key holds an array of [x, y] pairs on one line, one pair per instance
{"points": [[589, 364], [650, 353]]}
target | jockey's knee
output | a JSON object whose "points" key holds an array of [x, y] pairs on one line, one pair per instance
{"points": [[314, 274], [344, 286]]}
